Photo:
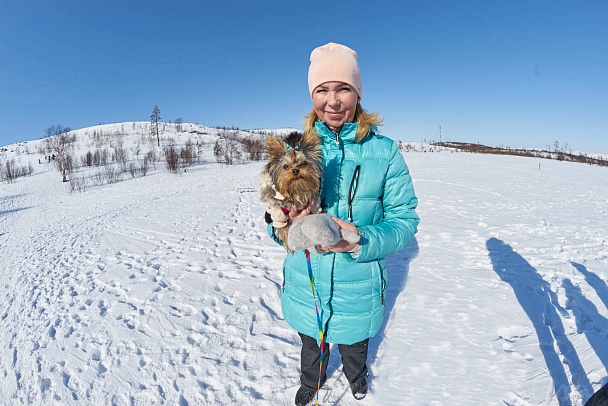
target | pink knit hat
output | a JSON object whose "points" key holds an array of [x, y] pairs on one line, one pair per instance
{"points": [[334, 63]]}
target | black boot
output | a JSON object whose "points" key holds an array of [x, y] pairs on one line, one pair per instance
{"points": [[305, 395], [359, 389]]}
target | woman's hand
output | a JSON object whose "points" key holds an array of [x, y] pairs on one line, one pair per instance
{"points": [[342, 245], [295, 214]]}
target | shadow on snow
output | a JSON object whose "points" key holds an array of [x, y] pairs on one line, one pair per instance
{"points": [[597, 283], [542, 307], [4, 213]]}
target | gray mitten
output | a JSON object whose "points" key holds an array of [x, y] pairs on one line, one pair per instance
{"points": [[317, 229]]}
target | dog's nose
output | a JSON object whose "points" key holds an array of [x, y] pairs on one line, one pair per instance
{"points": [[295, 172]]}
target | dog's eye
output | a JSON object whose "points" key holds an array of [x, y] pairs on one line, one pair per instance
{"points": [[304, 163], [285, 166]]}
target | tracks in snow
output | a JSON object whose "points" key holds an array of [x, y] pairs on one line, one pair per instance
{"points": [[140, 306]]}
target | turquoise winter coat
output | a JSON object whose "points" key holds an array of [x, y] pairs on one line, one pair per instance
{"points": [[350, 291]]}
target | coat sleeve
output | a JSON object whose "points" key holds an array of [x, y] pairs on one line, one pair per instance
{"points": [[272, 234], [400, 221]]}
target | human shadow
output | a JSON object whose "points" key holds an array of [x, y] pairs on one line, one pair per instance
{"points": [[397, 269], [8, 198], [4, 213], [588, 320], [594, 281], [541, 305]]}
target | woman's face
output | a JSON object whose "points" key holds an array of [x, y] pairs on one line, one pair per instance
{"points": [[335, 103]]}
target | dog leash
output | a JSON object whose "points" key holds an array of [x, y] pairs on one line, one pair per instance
{"points": [[314, 297]]}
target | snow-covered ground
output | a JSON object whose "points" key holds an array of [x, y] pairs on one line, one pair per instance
{"points": [[165, 290]]}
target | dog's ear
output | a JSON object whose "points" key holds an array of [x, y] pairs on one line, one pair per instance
{"points": [[275, 147], [311, 143], [310, 140]]}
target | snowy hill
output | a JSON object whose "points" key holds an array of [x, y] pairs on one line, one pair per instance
{"points": [[164, 289]]}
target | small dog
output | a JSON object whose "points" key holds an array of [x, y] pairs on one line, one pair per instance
{"points": [[292, 177]]}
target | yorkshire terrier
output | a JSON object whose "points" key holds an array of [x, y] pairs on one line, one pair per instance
{"points": [[292, 177]]}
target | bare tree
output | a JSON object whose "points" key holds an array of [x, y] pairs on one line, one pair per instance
{"points": [[226, 148], [172, 157], [187, 153], [143, 169], [10, 171], [154, 118], [87, 159], [151, 158], [111, 175], [178, 124], [254, 147], [121, 155], [60, 142], [78, 184], [136, 149]]}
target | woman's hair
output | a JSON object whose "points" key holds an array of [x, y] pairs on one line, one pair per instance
{"points": [[364, 120]]}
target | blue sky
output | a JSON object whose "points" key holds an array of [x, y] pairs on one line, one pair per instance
{"points": [[510, 73]]}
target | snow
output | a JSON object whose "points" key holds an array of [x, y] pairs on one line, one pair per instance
{"points": [[164, 289]]}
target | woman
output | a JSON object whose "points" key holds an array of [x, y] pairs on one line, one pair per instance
{"points": [[367, 187]]}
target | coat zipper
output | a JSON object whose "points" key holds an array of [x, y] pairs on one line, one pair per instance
{"points": [[352, 192]]}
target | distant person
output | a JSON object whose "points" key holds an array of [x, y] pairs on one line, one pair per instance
{"points": [[367, 187]]}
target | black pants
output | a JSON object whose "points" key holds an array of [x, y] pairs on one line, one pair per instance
{"points": [[354, 361]]}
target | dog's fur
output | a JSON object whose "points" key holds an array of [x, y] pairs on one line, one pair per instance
{"points": [[292, 175]]}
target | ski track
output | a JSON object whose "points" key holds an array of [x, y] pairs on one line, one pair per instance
{"points": [[173, 298]]}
